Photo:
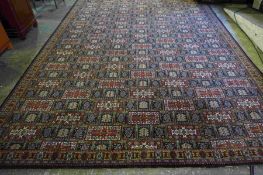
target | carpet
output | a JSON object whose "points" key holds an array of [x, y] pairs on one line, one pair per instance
{"points": [[128, 83]]}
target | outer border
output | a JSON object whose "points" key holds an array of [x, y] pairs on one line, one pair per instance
{"points": [[150, 164], [172, 163]]}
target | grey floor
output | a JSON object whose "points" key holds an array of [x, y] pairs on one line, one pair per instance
{"points": [[14, 62], [241, 170]]}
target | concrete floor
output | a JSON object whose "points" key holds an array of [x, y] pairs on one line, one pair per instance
{"points": [[14, 62]]}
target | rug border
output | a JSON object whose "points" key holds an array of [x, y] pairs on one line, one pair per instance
{"points": [[129, 165], [141, 164]]}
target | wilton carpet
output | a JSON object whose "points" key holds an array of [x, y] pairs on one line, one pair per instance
{"points": [[135, 83]]}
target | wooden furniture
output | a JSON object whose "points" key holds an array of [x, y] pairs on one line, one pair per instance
{"points": [[17, 17], [4, 40], [43, 1]]}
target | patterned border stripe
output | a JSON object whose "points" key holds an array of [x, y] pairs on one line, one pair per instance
{"points": [[135, 84]]}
